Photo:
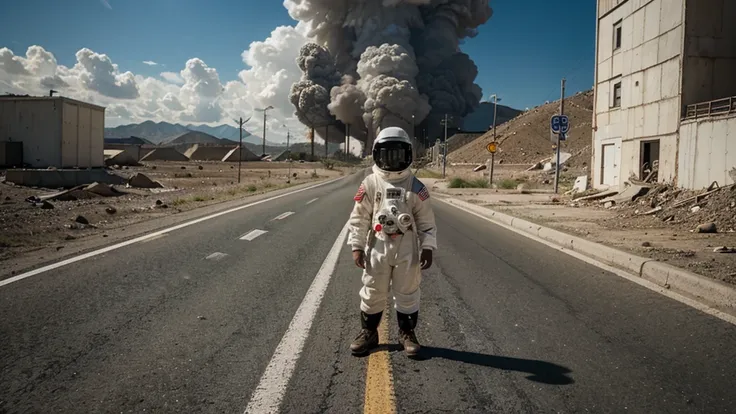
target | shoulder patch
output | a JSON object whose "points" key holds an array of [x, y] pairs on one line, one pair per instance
{"points": [[418, 188], [360, 194]]}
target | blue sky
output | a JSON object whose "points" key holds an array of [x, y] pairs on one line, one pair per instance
{"points": [[521, 53]]}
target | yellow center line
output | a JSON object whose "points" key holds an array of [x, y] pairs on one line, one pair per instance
{"points": [[379, 381]]}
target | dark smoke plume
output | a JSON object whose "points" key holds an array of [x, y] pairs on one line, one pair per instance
{"points": [[379, 63]]}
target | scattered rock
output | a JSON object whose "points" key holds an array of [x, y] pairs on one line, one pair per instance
{"points": [[695, 209], [111, 210], [200, 167], [183, 167], [47, 206], [7, 198], [201, 318], [104, 235], [724, 249], [609, 204], [159, 202], [707, 228], [153, 167], [69, 237], [81, 220], [646, 244]]}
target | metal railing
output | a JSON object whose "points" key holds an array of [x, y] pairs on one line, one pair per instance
{"points": [[722, 106]]}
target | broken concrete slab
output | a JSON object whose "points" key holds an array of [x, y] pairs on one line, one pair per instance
{"points": [[630, 193], [102, 190], [244, 155], [142, 181], [598, 196], [581, 184]]}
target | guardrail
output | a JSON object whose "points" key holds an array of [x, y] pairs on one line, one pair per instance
{"points": [[722, 106]]}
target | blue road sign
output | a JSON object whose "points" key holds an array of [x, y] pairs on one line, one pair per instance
{"points": [[560, 124]]}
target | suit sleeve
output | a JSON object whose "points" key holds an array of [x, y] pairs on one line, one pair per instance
{"points": [[424, 216], [359, 223]]}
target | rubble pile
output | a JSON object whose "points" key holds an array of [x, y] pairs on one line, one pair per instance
{"points": [[711, 210]]}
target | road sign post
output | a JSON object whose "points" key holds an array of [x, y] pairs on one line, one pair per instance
{"points": [[491, 147], [560, 125]]}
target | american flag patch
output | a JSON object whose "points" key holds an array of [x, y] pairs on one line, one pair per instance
{"points": [[423, 194], [419, 189], [360, 194]]}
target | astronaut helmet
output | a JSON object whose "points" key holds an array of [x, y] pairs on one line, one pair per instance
{"points": [[392, 150]]}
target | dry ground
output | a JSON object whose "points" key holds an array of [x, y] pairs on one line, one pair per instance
{"points": [[669, 235], [25, 227]]}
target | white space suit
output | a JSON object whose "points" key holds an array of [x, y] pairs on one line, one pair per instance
{"points": [[392, 222]]}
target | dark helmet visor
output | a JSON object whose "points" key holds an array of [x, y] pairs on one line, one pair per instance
{"points": [[393, 156]]}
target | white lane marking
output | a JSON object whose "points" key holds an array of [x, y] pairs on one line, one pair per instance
{"points": [[283, 215], [618, 272], [151, 235], [160, 236], [216, 256], [268, 395], [253, 234], [312, 201]]}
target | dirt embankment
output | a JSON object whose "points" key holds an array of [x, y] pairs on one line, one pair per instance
{"points": [[526, 138]]}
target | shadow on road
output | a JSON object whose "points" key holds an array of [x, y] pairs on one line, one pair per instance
{"points": [[540, 371]]}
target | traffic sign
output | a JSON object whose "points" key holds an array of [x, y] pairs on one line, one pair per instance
{"points": [[560, 123], [492, 147]]}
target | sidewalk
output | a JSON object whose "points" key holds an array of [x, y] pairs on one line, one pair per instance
{"points": [[645, 236]]}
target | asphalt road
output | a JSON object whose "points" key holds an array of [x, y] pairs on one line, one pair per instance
{"points": [[189, 322]]}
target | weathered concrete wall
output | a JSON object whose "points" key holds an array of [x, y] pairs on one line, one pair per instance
{"points": [[648, 67], [709, 64], [707, 152]]}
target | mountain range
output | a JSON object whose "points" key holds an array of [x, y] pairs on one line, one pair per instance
{"points": [[164, 132]]}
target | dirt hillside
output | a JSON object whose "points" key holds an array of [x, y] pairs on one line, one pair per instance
{"points": [[526, 138]]}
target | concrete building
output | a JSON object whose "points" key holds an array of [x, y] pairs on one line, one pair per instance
{"points": [[54, 131], [659, 66]]}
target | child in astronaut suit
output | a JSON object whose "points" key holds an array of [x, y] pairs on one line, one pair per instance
{"points": [[392, 235]]}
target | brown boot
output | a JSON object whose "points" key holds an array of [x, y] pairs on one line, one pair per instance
{"points": [[407, 337], [367, 339]]}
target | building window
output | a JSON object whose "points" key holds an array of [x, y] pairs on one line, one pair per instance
{"points": [[617, 35], [616, 95]]}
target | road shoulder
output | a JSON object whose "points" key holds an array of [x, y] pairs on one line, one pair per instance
{"points": [[708, 291]]}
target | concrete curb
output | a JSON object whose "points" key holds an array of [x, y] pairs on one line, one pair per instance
{"points": [[711, 292]]}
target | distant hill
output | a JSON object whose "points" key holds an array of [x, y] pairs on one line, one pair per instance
{"points": [[160, 132], [526, 138]]}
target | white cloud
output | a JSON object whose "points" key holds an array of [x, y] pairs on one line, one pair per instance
{"points": [[150, 63], [172, 77], [106, 4], [194, 94]]}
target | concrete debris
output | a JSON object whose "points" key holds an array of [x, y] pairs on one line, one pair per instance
{"points": [[707, 228], [609, 204], [724, 249], [81, 220], [102, 190], [646, 244], [142, 181], [581, 184], [111, 210], [655, 210], [46, 205], [630, 193], [694, 209], [598, 196], [480, 168]]}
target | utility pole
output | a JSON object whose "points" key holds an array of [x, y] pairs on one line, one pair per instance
{"points": [[240, 148], [493, 154], [288, 152], [312, 158], [444, 150], [264, 127], [557, 162], [327, 135], [347, 142]]}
